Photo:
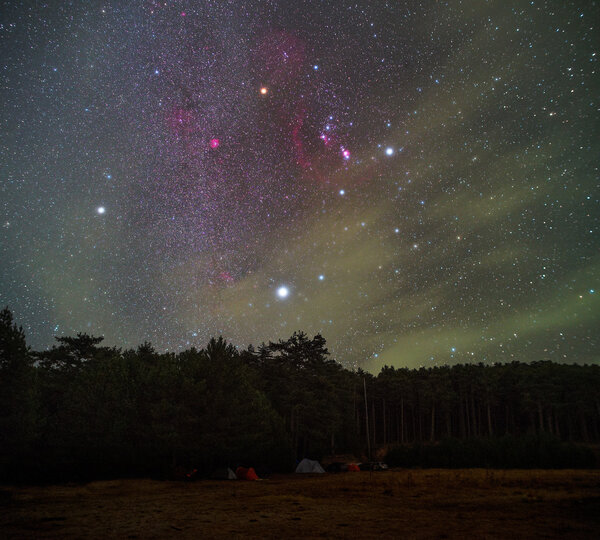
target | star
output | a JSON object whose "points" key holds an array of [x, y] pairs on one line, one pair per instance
{"points": [[350, 163], [283, 291]]}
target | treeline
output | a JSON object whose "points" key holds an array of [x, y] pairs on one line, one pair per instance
{"points": [[466, 401], [81, 410]]}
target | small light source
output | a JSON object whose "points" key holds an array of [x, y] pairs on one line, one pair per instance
{"points": [[101, 210], [264, 90], [283, 292]]}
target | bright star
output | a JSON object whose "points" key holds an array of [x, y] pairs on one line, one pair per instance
{"points": [[283, 292], [101, 210], [342, 192], [321, 277], [389, 151], [264, 90]]}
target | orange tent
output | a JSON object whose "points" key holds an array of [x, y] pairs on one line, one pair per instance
{"points": [[353, 467], [246, 474]]}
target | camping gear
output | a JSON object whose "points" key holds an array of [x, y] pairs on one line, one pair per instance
{"points": [[223, 474], [353, 467], [373, 466], [337, 467], [309, 466], [244, 473]]}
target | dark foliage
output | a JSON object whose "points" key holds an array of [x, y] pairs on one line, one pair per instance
{"points": [[82, 411], [534, 451]]}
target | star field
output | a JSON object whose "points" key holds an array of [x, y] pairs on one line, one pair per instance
{"points": [[418, 182]]}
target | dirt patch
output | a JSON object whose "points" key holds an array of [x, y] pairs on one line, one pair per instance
{"points": [[395, 504]]}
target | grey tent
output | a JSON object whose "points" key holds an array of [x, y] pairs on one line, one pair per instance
{"points": [[309, 466], [223, 474]]}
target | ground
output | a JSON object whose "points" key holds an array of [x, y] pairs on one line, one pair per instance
{"points": [[432, 503]]}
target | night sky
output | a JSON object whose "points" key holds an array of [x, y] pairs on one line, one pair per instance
{"points": [[416, 181]]}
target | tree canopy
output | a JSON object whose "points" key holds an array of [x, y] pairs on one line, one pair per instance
{"points": [[82, 410]]}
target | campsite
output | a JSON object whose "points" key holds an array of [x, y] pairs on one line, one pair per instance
{"points": [[99, 442], [299, 269], [408, 503]]}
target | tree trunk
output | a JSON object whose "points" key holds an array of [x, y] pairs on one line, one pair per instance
{"points": [[374, 422], [367, 418], [474, 424], [467, 422], [549, 421], [583, 427], [461, 416], [402, 420], [432, 434], [294, 432], [556, 426], [384, 422]]}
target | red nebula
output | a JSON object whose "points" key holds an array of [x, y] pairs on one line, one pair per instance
{"points": [[214, 143]]}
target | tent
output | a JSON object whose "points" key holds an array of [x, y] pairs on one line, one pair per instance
{"points": [[223, 474], [353, 467], [246, 474], [309, 466]]}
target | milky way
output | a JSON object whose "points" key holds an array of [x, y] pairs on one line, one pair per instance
{"points": [[418, 182]]}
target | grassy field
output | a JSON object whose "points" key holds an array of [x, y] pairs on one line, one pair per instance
{"points": [[430, 503]]}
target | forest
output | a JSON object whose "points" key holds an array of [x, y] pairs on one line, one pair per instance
{"points": [[81, 410]]}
